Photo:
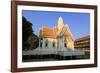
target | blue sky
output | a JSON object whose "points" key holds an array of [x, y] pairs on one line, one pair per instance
{"points": [[79, 23]]}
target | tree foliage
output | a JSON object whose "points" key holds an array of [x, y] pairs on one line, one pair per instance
{"points": [[30, 40], [33, 41]]}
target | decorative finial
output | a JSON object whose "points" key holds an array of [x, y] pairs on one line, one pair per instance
{"points": [[60, 23], [60, 20]]}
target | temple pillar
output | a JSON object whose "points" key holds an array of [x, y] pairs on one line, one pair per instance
{"points": [[63, 42], [58, 44]]}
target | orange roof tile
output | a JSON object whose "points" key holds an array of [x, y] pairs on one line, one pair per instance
{"points": [[48, 33]]}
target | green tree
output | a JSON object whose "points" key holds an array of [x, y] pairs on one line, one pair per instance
{"points": [[27, 28], [30, 40], [33, 41]]}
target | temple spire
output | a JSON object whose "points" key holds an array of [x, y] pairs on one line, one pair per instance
{"points": [[60, 20], [60, 23]]}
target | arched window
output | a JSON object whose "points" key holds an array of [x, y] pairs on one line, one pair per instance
{"points": [[65, 44], [54, 44], [40, 44], [46, 43]]}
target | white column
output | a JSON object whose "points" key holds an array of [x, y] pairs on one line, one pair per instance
{"points": [[60, 43], [57, 42], [63, 41]]}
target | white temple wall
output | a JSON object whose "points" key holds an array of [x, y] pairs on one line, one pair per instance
{"points": [[70, 43], [50, 42]]}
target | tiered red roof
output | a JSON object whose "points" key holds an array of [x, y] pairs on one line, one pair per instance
{"points": [[48, 33]]}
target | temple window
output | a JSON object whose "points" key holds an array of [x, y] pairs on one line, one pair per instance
{"points": [[65, 45], [46, 43], [40, 44], [54, 44]]}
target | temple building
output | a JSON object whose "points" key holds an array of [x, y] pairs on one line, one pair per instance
{"points": [[55, 42], [59, 36]]}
